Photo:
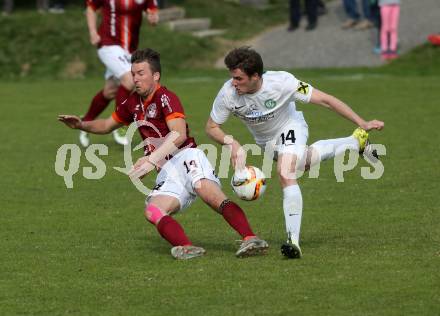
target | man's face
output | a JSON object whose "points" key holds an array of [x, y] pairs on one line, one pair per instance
{"points": [[244, 84], [144, 79]]}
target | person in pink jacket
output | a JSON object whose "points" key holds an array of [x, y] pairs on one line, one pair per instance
{"points": [[390, 13]]}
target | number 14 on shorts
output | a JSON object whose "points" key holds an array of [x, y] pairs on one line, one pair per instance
{"points": [[288, 138]]}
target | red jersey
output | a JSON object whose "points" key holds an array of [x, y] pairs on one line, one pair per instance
{"points": [[162, 106], [121, 21]]}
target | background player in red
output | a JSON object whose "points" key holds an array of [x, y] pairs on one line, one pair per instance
{"points": [[159, 115], [116, 38]]}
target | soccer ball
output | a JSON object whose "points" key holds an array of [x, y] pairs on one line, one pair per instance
{"points": [[252, 187]]}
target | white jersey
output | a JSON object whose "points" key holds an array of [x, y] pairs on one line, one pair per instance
{"points": [[266, 111]]}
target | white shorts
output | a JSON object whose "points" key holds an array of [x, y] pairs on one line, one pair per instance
{"points": [[291, 138], [180, 174], [116, 60]]}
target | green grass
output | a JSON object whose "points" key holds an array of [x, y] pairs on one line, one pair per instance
{"points": [[66, 52], [39, 46], [370, 247]]}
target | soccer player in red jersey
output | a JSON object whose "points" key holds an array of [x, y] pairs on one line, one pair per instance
{"points": [[116, 38], [185, 171]]}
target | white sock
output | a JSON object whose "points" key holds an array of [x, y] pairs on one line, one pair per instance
{"points": [[292, 206], [329, 148]]}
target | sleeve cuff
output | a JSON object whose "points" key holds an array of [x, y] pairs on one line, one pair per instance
{"points": [[174, 115], [215, 120], [118, 119]]}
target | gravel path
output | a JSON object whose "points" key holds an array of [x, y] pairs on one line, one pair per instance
{"points": [[330, 46]]}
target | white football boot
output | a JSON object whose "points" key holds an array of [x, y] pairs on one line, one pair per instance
{"points": [[84, 139], [119, 136]]}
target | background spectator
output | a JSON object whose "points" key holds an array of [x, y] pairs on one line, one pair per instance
{"points": [[390, 13], [42, 5], [57, 7], [8, 6], [375, 15], [162, 4], [354, 18], [295, 14], [322, 9]]}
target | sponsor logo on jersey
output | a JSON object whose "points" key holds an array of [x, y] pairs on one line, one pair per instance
{"points": [[303, 88], [259, 119], [255, 117], [253, 111], [270, 104], [253, 114], [139, 1]]}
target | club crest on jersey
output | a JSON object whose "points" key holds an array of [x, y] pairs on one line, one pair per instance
{"points": [[303, 88], [270, 104], [151, 110]]}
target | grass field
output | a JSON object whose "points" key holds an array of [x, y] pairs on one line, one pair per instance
{"points": [[66, 52], [371, 247]]}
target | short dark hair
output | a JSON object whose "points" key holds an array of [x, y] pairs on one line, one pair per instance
{"points": [[245, 59], [147, 55]]}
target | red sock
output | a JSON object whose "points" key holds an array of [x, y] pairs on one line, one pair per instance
{"points": [[122, 95], [98, 104], [235, 216], [171, 230]]}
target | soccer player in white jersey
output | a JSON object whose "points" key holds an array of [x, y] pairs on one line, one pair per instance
{"points": [[265, 102]]}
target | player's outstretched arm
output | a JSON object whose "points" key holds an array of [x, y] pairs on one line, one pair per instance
{"points": [[238, 155], [333, 103], [100, 126]]}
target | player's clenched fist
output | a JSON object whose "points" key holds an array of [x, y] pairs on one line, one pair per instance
{"points": [[374, 124], [153, 17]]}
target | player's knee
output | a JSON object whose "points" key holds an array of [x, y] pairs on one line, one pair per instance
{"points": [[287, 175], [286, 171], [153, 214], [210, 192], [127, 81], [110, 92]]}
